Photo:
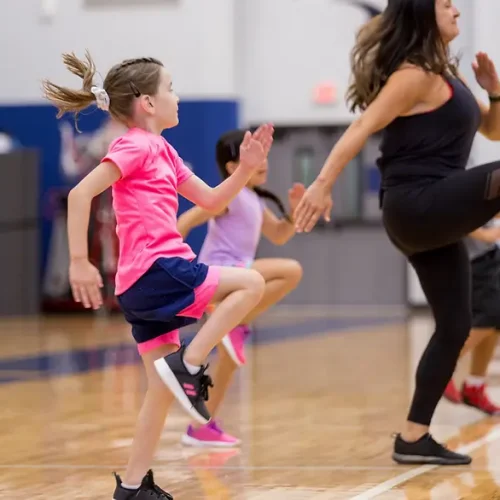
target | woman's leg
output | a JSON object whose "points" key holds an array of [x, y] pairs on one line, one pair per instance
{"points": [[461, 203], [444, 275], [423, 217]]}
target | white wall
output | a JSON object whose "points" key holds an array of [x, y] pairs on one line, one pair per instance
{"points": [[193, 38], [290, 47], [274, 53], [486, 39]]}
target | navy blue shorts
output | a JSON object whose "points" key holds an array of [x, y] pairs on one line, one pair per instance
{"points": [[173, 293]]}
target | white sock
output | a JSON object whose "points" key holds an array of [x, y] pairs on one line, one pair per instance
{"points": [[473, 381], [129, 487], [192, 369]]}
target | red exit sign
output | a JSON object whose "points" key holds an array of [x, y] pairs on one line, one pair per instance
{"points": [[325, 93]]}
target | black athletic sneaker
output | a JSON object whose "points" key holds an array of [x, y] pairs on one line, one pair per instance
{"points": [[190, 390], [147, 491], [426, 451]]}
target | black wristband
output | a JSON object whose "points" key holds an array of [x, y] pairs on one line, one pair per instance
{"points": [[494, 98]]}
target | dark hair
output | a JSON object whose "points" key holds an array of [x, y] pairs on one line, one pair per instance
{"points": [[124, 82], [406, 31], [227, 150]]}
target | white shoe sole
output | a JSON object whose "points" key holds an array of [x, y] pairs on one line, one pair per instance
{"points": [[170, 380], [228, 346]]}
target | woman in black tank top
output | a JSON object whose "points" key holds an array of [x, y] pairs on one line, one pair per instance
{"points": [[406, 85]]}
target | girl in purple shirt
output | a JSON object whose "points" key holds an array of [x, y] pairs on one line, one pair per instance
{"points": [[232, 240]]}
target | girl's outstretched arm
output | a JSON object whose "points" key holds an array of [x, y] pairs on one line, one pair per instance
{"points": [[277, 231], [253, 152], [192, 218], [280, 231]]}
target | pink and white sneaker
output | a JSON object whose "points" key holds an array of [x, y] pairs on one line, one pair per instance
{"points": [[209, 435], [234, 343]]}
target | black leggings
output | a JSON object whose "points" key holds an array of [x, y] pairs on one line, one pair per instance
{"points": [[427, 222]]}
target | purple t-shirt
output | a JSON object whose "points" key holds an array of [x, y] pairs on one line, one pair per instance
{"points": [[233, 238]]}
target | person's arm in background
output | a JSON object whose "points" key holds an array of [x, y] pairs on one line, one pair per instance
{"points": [[486, 234], [192, 218]]}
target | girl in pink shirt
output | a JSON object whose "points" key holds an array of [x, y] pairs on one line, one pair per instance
{"points": [[158, 284]]}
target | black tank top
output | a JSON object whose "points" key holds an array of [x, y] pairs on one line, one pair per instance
{"points": [[433, 144]]}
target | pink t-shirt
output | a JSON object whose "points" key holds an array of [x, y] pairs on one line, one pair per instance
{"points": [[145, 202]]}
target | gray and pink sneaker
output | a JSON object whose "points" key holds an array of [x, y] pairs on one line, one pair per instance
{"points": [[209, 436], [234, 343]]}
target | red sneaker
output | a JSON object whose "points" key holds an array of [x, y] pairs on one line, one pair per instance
{"points": [[476, 397], [452, 394]]}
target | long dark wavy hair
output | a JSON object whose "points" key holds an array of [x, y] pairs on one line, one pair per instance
{"points": [[406, 31], [227, 150]]}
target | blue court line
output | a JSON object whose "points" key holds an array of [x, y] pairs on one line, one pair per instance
{"points": [[77, 361]]}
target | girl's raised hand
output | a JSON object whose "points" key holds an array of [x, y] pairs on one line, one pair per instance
{"points": [[255, 147]]}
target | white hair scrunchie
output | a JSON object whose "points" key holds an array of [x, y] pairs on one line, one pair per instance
{"points": [[101, 97]]}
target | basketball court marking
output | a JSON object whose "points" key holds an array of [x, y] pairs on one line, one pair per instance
{"points": [[493, 435]]}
